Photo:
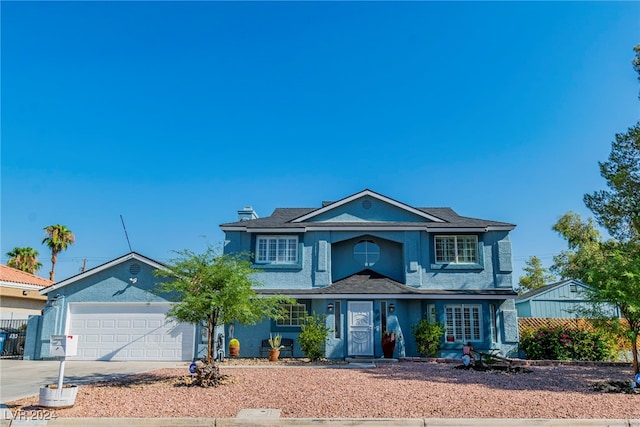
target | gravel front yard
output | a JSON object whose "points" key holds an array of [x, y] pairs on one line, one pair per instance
{"points": [[402, 390]]}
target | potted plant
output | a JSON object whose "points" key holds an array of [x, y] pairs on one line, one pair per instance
{"points": [[234, 348], [388, 344], [274, 342]]}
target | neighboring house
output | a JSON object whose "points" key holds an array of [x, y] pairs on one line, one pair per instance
{"points": [[20, 294], [559, 300], [371, 263], [115, 314]]}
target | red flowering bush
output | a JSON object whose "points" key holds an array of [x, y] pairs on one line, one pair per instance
{"points": [[563, 343]]}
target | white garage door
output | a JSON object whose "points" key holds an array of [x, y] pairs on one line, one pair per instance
{"points": [[129, 332]]}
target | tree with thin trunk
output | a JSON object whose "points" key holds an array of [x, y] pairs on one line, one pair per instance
{"points": [[58, 239], [24, 259], [611, 269], [536, 276], [214, 290]]}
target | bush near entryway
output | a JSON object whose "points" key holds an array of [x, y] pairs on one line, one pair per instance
{"points": [[313, 336], [564, 343]]}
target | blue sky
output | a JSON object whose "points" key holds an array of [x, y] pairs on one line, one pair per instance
{"points": [[176, 115]]}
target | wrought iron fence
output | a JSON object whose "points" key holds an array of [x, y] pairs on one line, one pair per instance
{"points": [[12, 336]]}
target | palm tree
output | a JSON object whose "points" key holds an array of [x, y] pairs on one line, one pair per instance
{"points": [[58, 239], [24, 259]]}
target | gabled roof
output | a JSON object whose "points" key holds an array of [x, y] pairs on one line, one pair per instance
{"points": [[12, 276], [292, 220], [132, 255], [546, 288], [369, 193], [370, 284]]}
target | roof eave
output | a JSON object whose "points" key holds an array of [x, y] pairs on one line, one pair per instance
{"points": [[105, 266]]}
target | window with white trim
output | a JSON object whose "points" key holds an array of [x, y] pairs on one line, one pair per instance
{"points": [[456, 249], [294, 315], [463, 322], [277, 250]]}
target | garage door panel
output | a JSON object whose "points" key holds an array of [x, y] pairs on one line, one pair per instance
{"points": [[129, 332], [91, 339]]}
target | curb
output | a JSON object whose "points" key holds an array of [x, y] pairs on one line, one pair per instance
{"points": [[330, 422]]}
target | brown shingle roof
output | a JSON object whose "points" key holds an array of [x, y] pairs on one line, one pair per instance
{"points": [[8, 274]]}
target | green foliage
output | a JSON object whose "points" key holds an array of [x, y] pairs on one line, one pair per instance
{"points": [[563, 343], [274, 342], [536, 276], [24, 259], [611, 268], [58, 239], [428, 336], [313, 336], [213, 289], [617, 209], [234, 343]]}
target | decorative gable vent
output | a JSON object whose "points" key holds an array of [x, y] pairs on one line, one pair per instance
{"points": [[134, 269], [366, 204]]}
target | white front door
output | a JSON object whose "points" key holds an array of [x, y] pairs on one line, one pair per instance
{"points": [[360, 328]]}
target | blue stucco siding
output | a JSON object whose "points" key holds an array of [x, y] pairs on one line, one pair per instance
{"points": [[406, 256], [115, 285], [405, 239], [345, 264]]}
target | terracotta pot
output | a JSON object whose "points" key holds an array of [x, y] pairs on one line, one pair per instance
{"points": [[234, 351], [273, 355]]}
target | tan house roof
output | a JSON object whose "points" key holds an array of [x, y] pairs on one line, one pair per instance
{"points": [[12, 275]]}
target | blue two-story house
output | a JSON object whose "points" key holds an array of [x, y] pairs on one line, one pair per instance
{"points": [[371, 263]]}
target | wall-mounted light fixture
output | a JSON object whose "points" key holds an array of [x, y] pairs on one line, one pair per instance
{"points": [[392, 308], [330, 308], [25, 292]]}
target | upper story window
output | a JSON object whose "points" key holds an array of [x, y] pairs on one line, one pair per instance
{"points": [[456, 249], [366, 253], [277, 250]]}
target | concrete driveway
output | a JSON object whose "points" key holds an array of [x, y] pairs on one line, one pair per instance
{"points": [[23, 378]]}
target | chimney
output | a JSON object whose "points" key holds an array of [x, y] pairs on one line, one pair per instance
{"points": [[247, 213]]}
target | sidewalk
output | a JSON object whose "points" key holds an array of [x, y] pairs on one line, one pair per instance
{"points": [[325, 422]]}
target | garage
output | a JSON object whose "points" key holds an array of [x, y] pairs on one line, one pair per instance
{"points": [[129, 331]]}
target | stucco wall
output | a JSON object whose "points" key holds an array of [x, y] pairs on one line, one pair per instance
{"points": [[112, 285], [405, 256]]}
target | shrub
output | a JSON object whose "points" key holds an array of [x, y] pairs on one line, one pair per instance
{"points": [[564, 343], [428, 337], [313, 335]]}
